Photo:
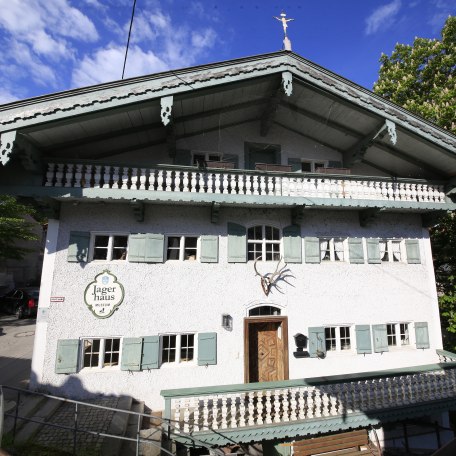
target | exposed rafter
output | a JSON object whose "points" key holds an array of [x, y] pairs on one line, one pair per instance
{"points": [[368, 216], [356, 153]]}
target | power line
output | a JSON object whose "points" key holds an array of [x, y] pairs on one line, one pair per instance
{"points": [[128, 41]]}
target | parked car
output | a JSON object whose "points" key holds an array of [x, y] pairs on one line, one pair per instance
{"points": [[23, 302]]}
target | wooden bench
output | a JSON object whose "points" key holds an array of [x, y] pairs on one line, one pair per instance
{"points": [[352, 443]]}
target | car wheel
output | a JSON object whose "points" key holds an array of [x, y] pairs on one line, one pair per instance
{"points": [[20, 313]]}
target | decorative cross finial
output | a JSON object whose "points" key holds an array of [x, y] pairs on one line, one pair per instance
{"points": [[284, 20]]}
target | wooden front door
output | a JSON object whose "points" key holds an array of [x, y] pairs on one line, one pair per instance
{"points": [[266, 349]]}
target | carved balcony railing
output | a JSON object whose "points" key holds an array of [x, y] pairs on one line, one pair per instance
{"points": [[238, 407], [169, 178]]}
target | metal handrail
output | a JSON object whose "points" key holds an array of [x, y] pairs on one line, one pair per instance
{"points": [[166, 424]]}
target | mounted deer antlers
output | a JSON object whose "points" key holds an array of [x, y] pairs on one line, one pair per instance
{"points": [[270, 279]]}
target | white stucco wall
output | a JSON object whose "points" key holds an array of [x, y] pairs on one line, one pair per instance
{"points": [[176, 297]]}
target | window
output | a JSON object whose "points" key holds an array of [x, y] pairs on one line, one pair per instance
{"points": [[182, 248], [337, 338], [264, 310], [109, 247], [311, 166], [177, 348], [390, 250], [100, 353], [332, 249], [263, 243], [200, 158], [397, 334]]}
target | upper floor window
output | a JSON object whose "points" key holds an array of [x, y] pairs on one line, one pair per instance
{"points": [[263, 243], [177, 348], [337, 338], [109, 247], [182, 248], [200, 158], [397, 334], [100, 352], [390, 250], [332, 249], [311, 166]]}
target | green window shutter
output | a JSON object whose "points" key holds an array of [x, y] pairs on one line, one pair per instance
{"points": [[292, 244], [78, 247], [66, 361], [312, 250], [412, 246], [363, 339], [183, 158], [209, 249], [150, 358], [380, 338], [146, 248], [207, 348], [373, 251], [422, 335], [355, 249], [237, 243], [295, 164], [317, 342], [131, 354]]}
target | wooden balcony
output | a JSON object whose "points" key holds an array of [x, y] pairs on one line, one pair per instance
{"points": [[261, 184], [256, 411]]}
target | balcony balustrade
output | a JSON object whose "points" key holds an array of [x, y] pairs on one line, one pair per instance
{"points": [[169, 178], [236, 407]]}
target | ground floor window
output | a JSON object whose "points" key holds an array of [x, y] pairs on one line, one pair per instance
{"points": [[337, 338], [397, 334], [100, 352], [177, 348], [183, 248], [264, 310], [109, 247]]}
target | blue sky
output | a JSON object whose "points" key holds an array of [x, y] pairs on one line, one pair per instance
{"points": [[53, 45]]}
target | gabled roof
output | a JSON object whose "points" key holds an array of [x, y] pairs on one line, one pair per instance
{"points": [[110, 119]]}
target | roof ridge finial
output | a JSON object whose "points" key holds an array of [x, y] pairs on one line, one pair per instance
{"points": [[283, 19]]}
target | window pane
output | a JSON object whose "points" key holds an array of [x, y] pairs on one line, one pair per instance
{"points": [[100, 251], [383, 250], [190, 248], [255, 233], [272, 252], [325, 250], [254, 251], [338, 250], [330, 336], [169, 348], [173, 248], [391, 333], [187, 343], [120, 248], [396, 250], [344, 338], [306, 167], [404, 334]]}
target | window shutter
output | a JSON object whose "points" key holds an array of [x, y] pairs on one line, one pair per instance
{"points": [[292, 244], [356, 252], [66, 361], [422, 335], [317, 342], [78, 247], [237, 243], [209, 249], [412, 246], [146, 248], [295, 164], [363, 339], [312, 250], [131, 354], [380, 338], [373, 251], [207, 348], [183, 158], [150, 358]]}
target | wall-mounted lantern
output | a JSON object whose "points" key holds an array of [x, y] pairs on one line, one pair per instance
{"points": [[301, 344], [227, 322]]}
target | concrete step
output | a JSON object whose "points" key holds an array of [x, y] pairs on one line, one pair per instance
{"points": [[129, 448], [28, 404]]}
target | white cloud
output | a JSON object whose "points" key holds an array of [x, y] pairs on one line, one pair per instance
{"points": [[6, 96], [383, 17], [106, 65], [203, 39]]}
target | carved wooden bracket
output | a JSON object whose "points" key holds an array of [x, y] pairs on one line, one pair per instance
{"points": [[7, 143], [166, 104], [297, 214], [138, 210], [287, 83], [368, 216], [215, 212]]}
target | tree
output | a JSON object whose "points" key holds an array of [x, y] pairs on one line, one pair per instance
{"points": [[422, 77], [14, 227]]}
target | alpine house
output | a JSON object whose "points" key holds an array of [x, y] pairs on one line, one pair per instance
{"points": [[243, 245]]}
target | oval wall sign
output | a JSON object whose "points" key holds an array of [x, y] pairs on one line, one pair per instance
{"points": [[104, 294]]}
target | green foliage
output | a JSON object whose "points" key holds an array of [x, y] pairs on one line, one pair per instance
{"points": [[422, 77], [14, 227]]}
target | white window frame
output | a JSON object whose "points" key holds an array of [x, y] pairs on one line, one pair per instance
{"points": [[181, 247], [177, 358], [101, 354], [263, 242], [208, 156], [314, 164], [399, 334], [110, 247], [334, 247], [338, 338], [388, 255]]}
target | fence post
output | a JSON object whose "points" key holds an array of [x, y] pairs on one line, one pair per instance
{"points": [[138, 431], [16, 414], [1, 415], [75, 427]]}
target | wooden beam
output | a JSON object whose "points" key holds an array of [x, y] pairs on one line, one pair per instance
{"points": [[378, 167]]}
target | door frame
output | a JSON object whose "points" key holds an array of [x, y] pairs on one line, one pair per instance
{"points": [[276, 319]]}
